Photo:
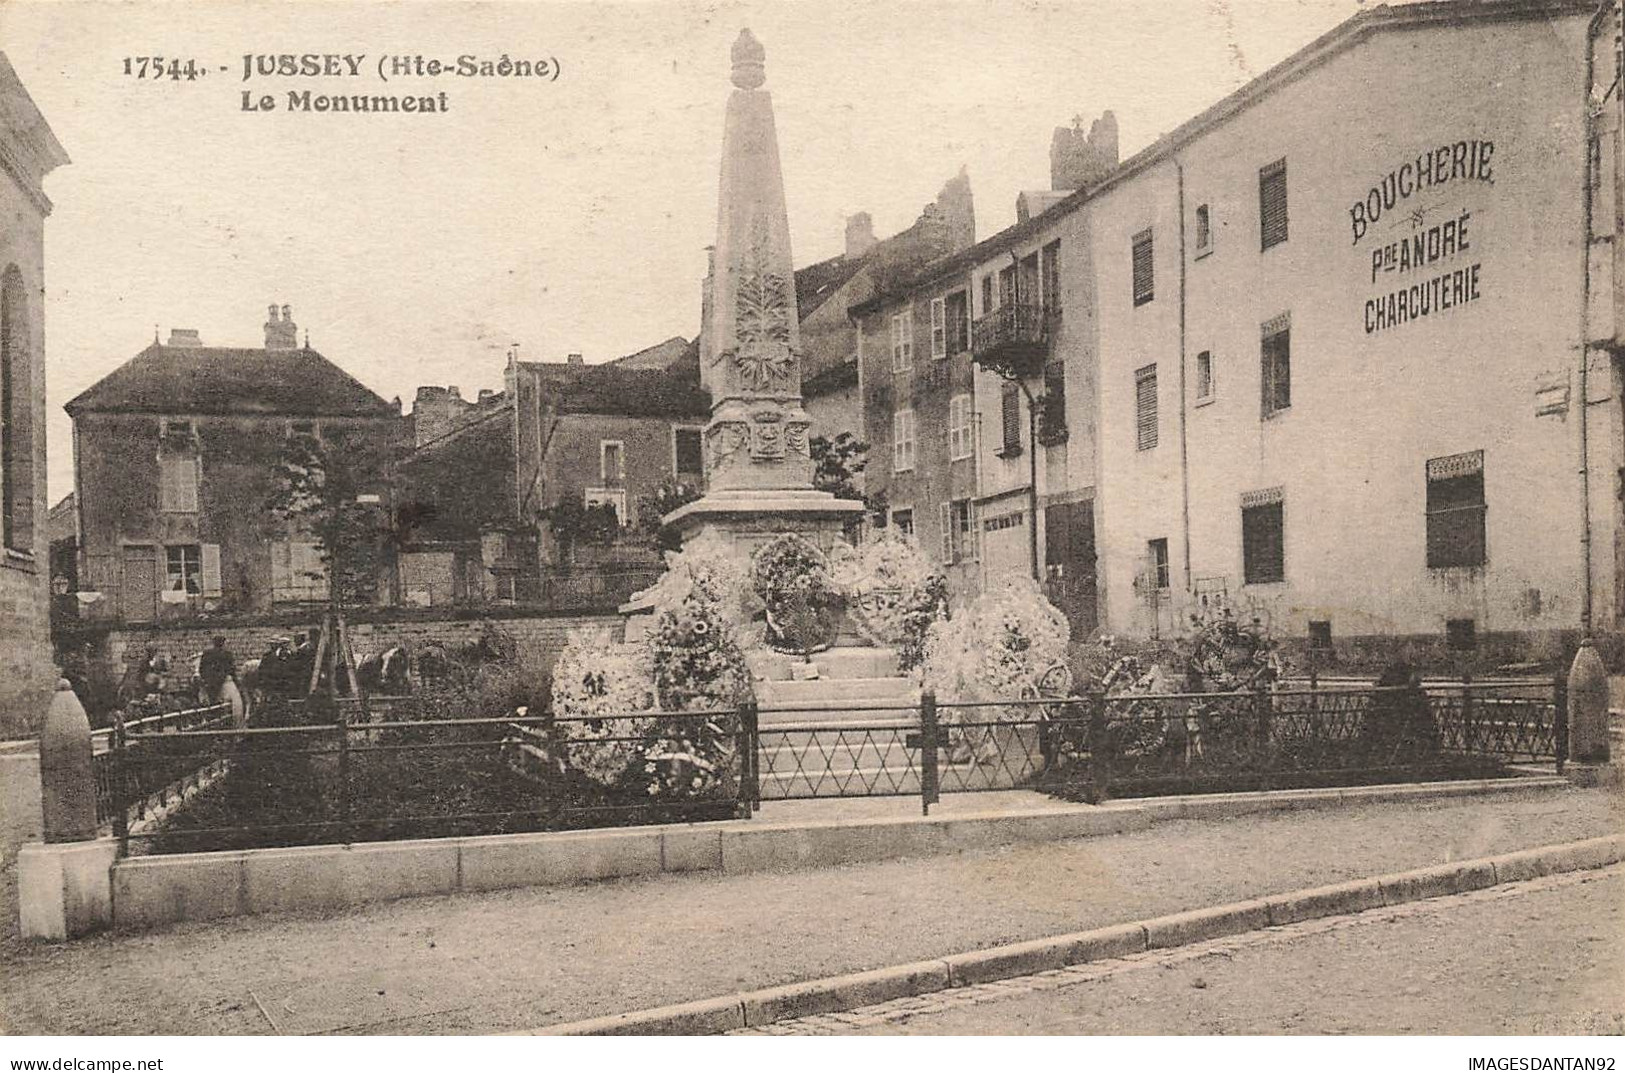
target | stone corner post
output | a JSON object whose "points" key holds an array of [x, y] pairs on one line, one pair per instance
{"points": [[1588, 707], [67, 783]]}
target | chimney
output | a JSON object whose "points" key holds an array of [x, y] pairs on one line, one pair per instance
{"points": [[280, 332], [486, 393], [183, 337], [860, 234], [575, 359]]}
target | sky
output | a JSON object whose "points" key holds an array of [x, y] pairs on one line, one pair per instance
{"points": [[566, 215]]}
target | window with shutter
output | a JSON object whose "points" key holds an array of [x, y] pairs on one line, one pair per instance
{"points": [[1275, 379], [965, 529], [1263, 537], [989, 303], [1052, 277], [1455, 511], [1010, 417], [1052, 429], [1204, 377], [1157, 550], [177, 484], [1272, 204], [902, 340], [945, 526], [1145, 408], [958, 314], [939, 328], [961, 442], [1144, 281], [211, 570], [183, 564]]}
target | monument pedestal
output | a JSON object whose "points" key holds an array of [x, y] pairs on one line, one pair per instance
{"points": [[748, 519]]}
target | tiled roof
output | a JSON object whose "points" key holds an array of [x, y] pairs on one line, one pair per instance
{"points": [[231, 380], [818, 283], [660, 356], [630, 391]]}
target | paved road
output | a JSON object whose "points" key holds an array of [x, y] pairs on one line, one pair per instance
{"points": [[527, 958], [1539, 958]]}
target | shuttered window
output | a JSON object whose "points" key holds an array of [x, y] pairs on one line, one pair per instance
{"points": [[1053, 428], [177, 484], [939, 328], [1275, 373], [297, 571], [1010, 419], [958, 314], [1455, 510], [211, 570], [1145, 407], [1263, 537], [902, 341], [1052, 277], [1144, 281], [966, 530], [945, 525], [961, 441], [1272, 204]]}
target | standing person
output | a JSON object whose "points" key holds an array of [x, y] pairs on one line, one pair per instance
{"points": [[215, 667]]}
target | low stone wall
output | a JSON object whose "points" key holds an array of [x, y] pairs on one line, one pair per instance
{"points": [[540, 638]]}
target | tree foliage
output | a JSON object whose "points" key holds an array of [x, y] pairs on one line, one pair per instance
{"points": [[337, 494]]}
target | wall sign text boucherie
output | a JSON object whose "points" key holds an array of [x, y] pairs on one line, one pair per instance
{"points": [[1427, 245]]}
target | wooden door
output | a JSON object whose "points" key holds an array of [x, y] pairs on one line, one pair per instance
{"points": [[1069, 564]]}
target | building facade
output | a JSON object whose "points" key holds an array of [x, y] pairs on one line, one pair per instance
{"points": [[176, 458], [28, 152], [1366, 388]]}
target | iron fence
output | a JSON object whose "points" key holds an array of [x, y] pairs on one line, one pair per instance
{"points": [[394, 767]]}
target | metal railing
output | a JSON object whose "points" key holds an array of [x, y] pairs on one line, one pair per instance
{"points": [[394, 769]]}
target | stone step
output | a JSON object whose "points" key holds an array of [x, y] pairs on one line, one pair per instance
{"points": [[837, 693], [842, 662]]}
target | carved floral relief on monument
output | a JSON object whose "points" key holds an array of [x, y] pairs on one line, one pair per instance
{"points": [[762, 312]]}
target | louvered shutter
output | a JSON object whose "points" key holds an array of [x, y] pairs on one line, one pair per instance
{"points": [[945, 519], [210, 579], [1010, 412], [1272, 204], [1144, 279], [1145, 407]]}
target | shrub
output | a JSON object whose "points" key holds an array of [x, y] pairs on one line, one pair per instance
{"points": [[710, 565]]}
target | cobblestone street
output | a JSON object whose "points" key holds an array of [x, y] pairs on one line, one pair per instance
{"points": [[1545, 957]]}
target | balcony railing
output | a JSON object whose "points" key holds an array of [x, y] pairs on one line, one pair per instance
{"points": [[1013, 339]]}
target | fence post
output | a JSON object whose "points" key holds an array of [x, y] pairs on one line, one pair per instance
{"points": [[1467, 712], [928, 750], [1262, 753], [119, 779], [1560, 718], [1100, 765], [67, 769], [341, 724], [749, 746]]}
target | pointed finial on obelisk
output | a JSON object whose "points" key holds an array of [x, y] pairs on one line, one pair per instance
{"points": [[749, 61]]}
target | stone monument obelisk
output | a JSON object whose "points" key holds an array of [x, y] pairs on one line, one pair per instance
{"points": [[757, 456]]}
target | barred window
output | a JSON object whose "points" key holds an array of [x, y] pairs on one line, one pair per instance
{"points": [[1010, 417], [1272, 204], [1275, 367], [1145, 408], [1144, 282], [1263, 537], [1455, 510]]}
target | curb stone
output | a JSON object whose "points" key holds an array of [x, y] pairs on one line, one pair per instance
{"points": [[830, 995]]}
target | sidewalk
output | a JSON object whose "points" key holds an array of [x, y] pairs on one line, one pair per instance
{"points": [[528, 958]]}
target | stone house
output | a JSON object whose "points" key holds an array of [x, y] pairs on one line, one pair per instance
{"points": [[28, 152], [176, 455]]}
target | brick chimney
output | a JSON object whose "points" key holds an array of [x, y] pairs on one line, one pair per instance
{"points": [[1077, 159], [575, 359], [184, 337], [860, 234], [280, 332]]}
